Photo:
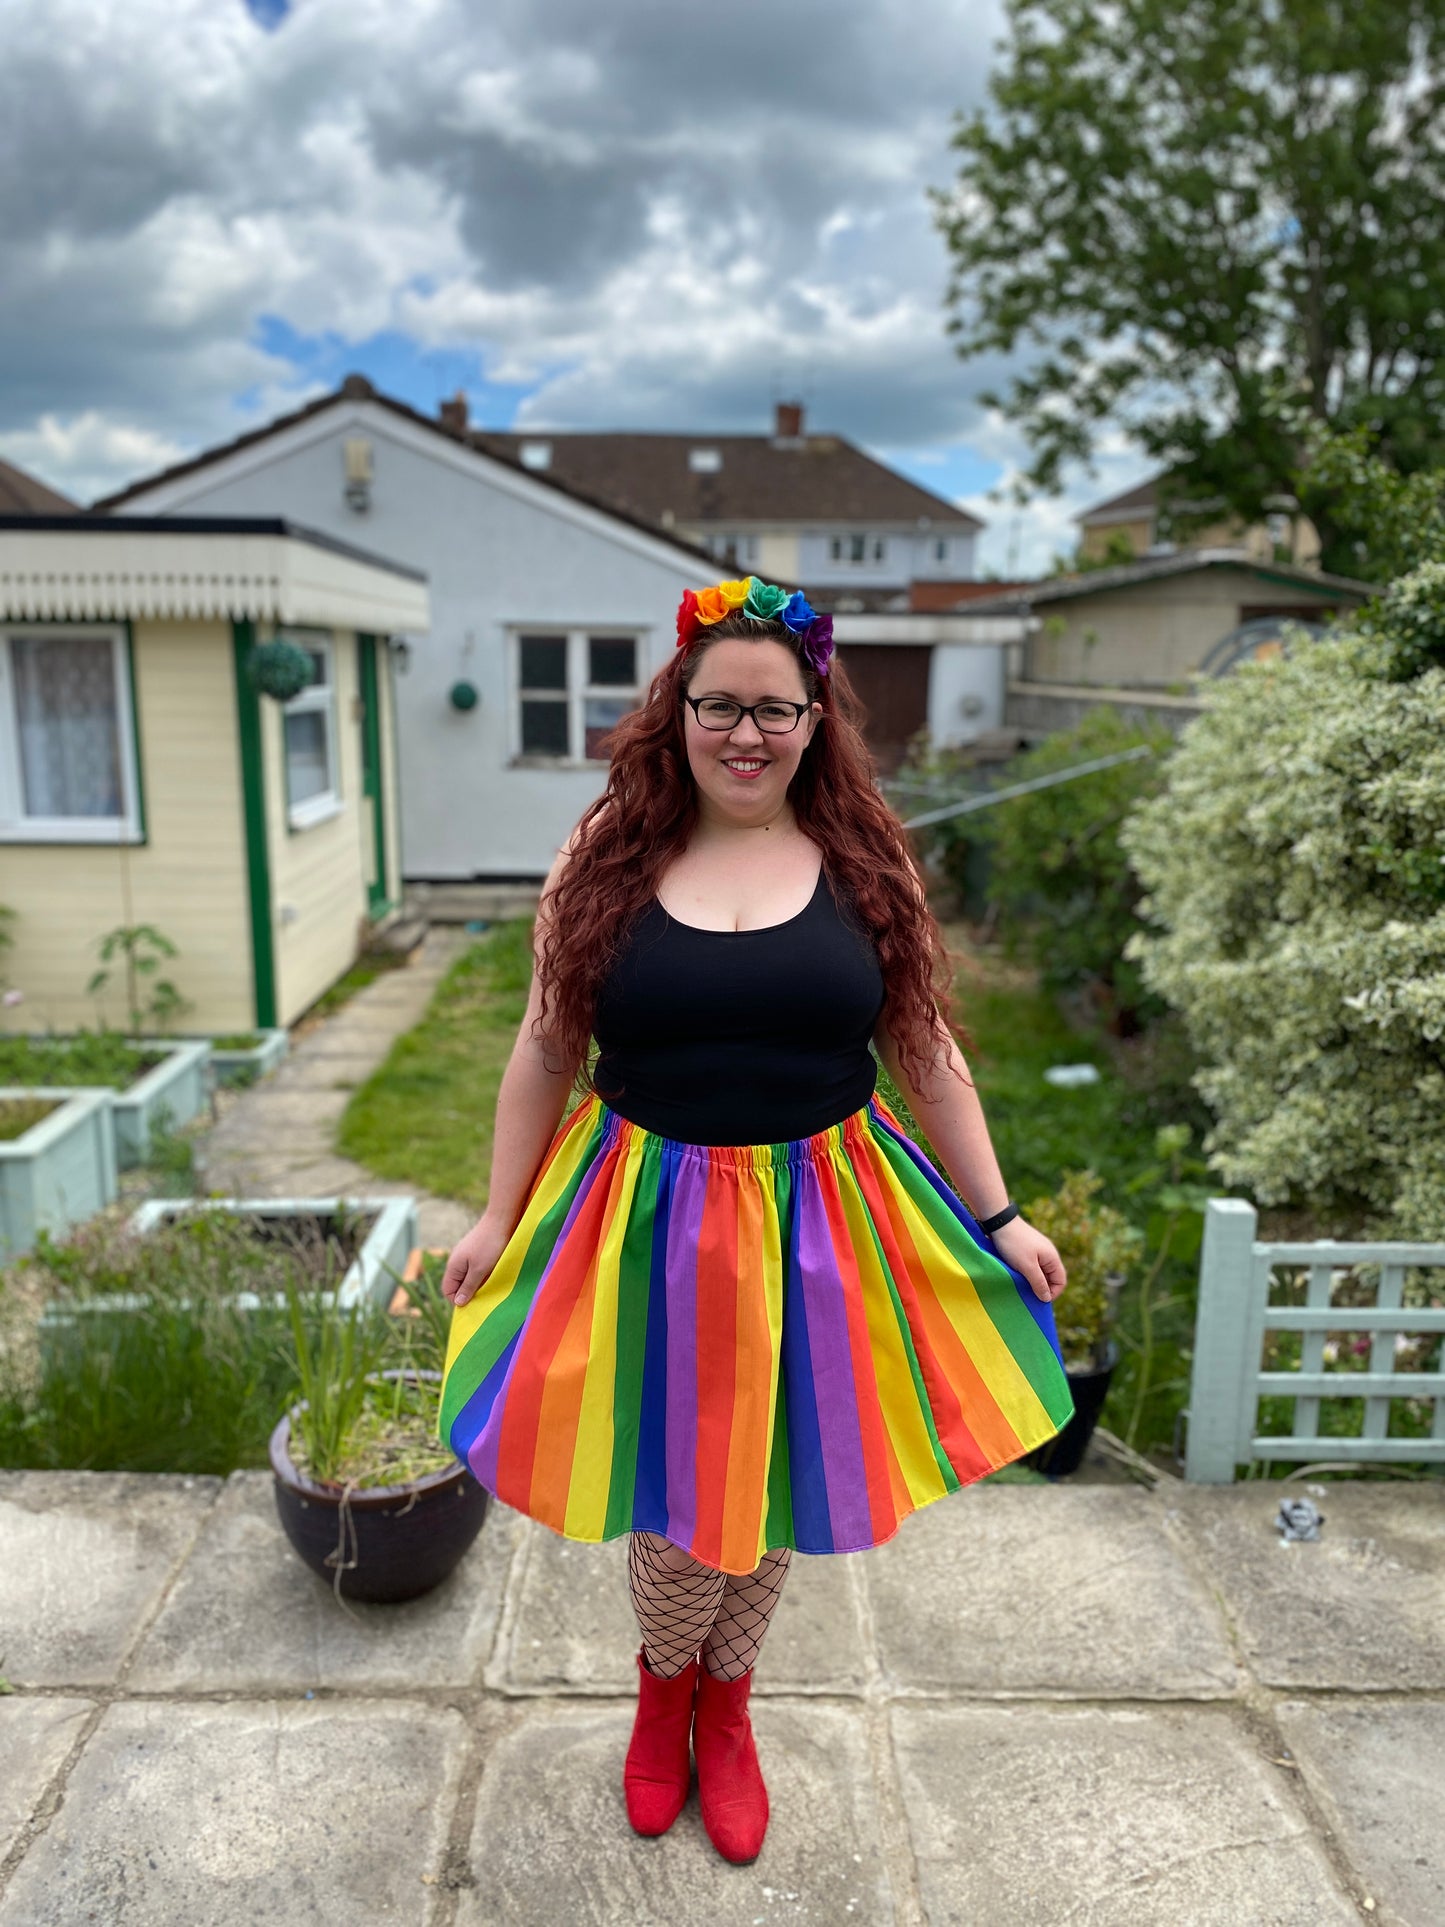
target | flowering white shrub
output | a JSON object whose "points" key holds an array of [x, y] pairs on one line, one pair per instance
{"points": [[1294, 871]]}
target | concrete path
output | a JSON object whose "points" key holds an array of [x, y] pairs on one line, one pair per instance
{"points": [[277, 1139], [1100, 1705]]}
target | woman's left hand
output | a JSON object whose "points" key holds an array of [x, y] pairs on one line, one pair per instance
{"points": [[1034, 1255]]}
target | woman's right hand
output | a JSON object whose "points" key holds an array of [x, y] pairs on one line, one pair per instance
{"points": [[472, 1260]]}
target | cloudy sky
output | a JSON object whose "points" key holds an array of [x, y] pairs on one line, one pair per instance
{"points": [[631, 214]]}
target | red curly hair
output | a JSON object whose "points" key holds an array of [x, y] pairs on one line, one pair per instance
{"points": [[645, 817]]}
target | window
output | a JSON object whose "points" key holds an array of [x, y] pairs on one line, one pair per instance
{"points": [[940, 550], [67, 747], [308, 725], [572, 687], [879, 549], [857, 545]]}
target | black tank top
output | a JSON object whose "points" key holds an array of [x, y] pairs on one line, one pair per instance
{"points": [[740, 1036]]}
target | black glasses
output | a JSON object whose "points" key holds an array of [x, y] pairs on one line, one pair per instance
{"points": [[774, 717]]}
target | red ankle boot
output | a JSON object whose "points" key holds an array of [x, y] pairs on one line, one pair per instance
{"points": [[730, 1786], [657, 1775]]}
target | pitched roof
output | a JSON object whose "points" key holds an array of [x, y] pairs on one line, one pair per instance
{"points": [[1128, 575], [358, 388], [1142, 499], [21, 494], [757, 478]]}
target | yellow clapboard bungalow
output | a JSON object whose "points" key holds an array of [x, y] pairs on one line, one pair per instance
{"points": [[164, 761]]}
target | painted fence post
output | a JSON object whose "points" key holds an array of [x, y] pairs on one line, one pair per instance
{"points": [[1222, 1382]]}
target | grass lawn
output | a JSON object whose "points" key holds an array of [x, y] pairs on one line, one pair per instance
{"points": [[425, 1115]]}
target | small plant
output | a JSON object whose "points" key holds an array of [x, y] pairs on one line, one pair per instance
{"points": [[142, 949], [1098, 1245], [333, 1361]]}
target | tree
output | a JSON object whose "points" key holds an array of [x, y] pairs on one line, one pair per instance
{"points": [[1218, 219], [1294, 874]]}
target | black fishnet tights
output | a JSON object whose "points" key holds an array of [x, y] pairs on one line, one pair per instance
{"points": [[684, 1607]]}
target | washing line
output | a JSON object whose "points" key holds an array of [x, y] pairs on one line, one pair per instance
{"points": [[983, 801]]}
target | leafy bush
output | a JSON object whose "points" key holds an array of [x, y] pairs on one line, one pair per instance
{"points": [[1295, 877], [1057, 869], [1098, 1246]]}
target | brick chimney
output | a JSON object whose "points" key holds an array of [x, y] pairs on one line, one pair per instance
{"points": [[453, 414], [788, 421]]}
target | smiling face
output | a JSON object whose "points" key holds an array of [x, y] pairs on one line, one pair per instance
{"points": [[742, 775]]}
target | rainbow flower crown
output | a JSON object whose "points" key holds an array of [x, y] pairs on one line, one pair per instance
{"points": [[763, 602]]}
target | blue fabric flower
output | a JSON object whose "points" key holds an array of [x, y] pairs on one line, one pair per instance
{"points": [[797, 612]]}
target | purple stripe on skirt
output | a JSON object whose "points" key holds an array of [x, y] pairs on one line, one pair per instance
{"points": [[684, 1226], [834, 1388]]}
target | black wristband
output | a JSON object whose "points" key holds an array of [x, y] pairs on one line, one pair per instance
{"points": [[999, 1218]]}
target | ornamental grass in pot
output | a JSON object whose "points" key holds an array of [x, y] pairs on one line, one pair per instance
{"points": [[1098, 1245], [365, 1492]]}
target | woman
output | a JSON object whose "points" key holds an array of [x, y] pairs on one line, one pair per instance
{"points": [[729, 1307]]}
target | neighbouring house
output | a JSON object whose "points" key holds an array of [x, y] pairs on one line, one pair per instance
{"points": [[550, 611], [146, 778], [1141, 636], [811, 510], [1127, 527], [22, 494]]}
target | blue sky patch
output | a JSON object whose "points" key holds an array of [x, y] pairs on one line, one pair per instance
{"points": [[399, 366], [268, 13]]}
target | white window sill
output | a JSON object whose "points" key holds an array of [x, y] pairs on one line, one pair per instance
{"points": [[557, 762], [314, 811], [100, 830]]}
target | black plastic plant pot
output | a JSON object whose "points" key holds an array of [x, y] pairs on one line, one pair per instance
{"points": [[382, 1544], [1064, 1452]]}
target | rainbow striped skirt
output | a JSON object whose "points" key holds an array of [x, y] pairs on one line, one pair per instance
{"points": [[745, 1346]]}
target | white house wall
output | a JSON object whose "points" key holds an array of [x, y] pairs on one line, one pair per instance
{"points": [[965, 692], [499, 552]]}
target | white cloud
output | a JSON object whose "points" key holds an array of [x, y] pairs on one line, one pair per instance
{"points": [[612, 206]]}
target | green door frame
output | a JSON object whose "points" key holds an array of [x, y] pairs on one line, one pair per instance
{"points": [[373, 775], [253, 807]]}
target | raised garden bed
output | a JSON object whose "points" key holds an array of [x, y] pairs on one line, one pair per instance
{"points": [[380, 1257], [158, 1082], [60, 1169], [236, 1061]]}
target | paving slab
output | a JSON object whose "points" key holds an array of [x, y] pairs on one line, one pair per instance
{"points": [[35, 1736], [1042, 1589], [573, 1628], [337, 1070], [284, 1116], [1360, 1608], [245, 1615], [551, 1843], [84, 1556], [178, 1814], [1377, 1769], [1111, 1816]]}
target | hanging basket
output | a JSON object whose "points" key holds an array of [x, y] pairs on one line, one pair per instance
{"points": [[281, 670]]}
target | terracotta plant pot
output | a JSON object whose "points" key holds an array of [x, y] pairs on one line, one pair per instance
{"points": [[378, 1543], [1064, 1452]]}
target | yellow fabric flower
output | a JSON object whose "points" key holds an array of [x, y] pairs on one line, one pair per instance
{"points": [[735, 594]]}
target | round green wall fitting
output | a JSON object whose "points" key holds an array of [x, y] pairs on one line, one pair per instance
{"points": [[463, 695]]}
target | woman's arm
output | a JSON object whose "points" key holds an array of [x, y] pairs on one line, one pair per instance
{"points": [[534, 1092], [951, 1117]]}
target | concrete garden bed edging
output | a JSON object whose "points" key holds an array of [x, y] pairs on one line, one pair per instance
{"points": [[175, 1090], [229, 1065], [59, 1172]]}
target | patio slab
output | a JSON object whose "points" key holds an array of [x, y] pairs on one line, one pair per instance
{"points": [[35, 1736], [84, 1557], [1006, 1589], [1110, 1816], [573, 1628], [182, 1813], [245, 1615], [551, 1843], [1361, 1608], [1378, 1771]]}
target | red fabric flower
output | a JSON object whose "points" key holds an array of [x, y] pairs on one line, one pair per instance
{"points": [[687, 618]]}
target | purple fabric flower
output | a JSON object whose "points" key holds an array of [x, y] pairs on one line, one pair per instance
{"points": [[817, 643]]}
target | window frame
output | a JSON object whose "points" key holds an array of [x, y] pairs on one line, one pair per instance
{"points": [[579, 688], [16, 826], [327, 803]]}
